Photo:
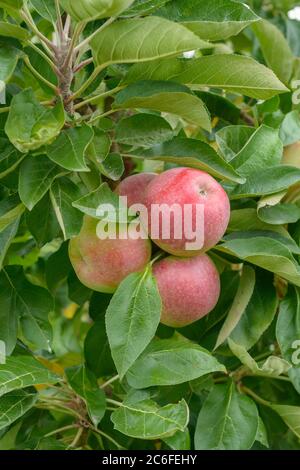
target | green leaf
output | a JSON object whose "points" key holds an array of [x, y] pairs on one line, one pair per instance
{"points": [[90, 203], [78, 293], [10, 157], [259, 312], [99, 148], [30, 303], [44, 69], [144, 7], [219, 106], [130, 41], [290, 415], [2, 88], [85, 10], [171, 361], [202, 384], [290, 128], [42, 221], [241, 300], [132, 318], [100, 364], [58, 267], [84, 383], [191, 153], [288, 333], [179, 441], [142, 418], [69, 149], [112, 167], [282, 237], [21, 371], [227, 421], [233, 73], [165, 97], [35, 178], [9, 57], [248, 220], [269, 106], [10, 210], [266, 252], [232, 139], [279, 214], [264, 149], [63, 193], [11, 4], [262, 436], [291, 28], [8, 314], [270, 208], [46, 9], [8, 436], [273, 367], [212, 21], [98, 306], [30, 125], [271, 180], [14, 405], [6, 237], [13, 31], [143, 130], [274, 45]]}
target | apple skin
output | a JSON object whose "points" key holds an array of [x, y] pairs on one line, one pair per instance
{"points": [[101, 265], [189, 186], [134, 187], [189, 288]]}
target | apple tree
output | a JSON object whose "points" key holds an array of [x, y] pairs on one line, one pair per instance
{"points": [[92, 92]]}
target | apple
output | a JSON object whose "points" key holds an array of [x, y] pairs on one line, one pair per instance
{"points": [[134, 187], [189, 288], [102, 265], [187, 187]]}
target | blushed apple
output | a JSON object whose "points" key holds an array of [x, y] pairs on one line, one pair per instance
{"points": [[187, 187], [134, 187], [189, 288], [102, 265]]}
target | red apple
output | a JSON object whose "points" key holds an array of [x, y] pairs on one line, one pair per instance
{"points": [[102, 264], [134, 187], [187, 187], [189, 288]]}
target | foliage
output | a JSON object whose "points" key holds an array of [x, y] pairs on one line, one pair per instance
{"points": [[119, 91]]}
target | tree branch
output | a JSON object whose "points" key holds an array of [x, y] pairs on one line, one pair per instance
{"points": [[83, 64], [67, 26], [247, 119], [78, 30], [60, 27]]}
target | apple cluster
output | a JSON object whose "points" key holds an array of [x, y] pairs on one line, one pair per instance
{"points": [[188, 280]]}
